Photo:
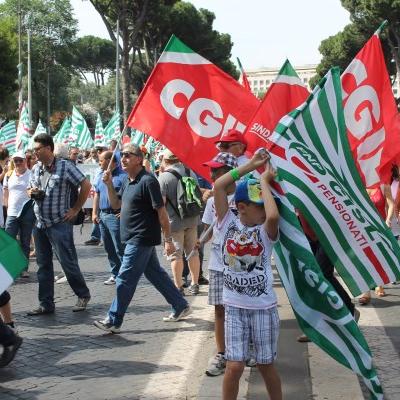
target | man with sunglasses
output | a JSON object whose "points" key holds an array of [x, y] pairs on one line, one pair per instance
{"points": [[51, 184], [143, 216]]}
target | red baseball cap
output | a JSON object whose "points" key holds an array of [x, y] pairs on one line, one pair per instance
{"points": [[232, 136]]}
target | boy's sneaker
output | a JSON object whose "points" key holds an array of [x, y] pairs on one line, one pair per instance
{"points": [[107, 326], [194, 289], [81, 304], [203, 280], [10, 351], [251, 362], [216, 365], [110, 281], [177, 316]]}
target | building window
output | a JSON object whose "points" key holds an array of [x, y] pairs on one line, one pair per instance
{"points": [[395, 91], [255, 83]]}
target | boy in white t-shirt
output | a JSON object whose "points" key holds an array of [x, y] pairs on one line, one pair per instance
{"points": [[250, 301], [221, 164]]}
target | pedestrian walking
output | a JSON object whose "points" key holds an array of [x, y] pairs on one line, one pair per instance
{"points": [[52, 183], [143, 216], [106, 217]]}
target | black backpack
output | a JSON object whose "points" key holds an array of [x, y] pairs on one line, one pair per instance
{"points": [[188, 195]]}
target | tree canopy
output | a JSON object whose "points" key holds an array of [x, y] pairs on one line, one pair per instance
{"points": [[366, 16]]}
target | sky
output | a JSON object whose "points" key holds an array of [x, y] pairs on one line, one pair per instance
{"points": [[264, 32]]}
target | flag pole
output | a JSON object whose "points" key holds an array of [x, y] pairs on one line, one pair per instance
{"points": [[20, 95], [29, 80], [117, 69]]}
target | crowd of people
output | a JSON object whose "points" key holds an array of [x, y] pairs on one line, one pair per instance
{"points": [[142, 201]]}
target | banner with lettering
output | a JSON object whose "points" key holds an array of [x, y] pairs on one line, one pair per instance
{"points": [[371, 114], [188, 103]]}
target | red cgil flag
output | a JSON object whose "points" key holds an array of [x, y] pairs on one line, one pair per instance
{"points": [[371, 114], [187, 103]]}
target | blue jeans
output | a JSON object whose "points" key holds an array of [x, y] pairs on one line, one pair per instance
{"points": [[140, 260], [109, 228], [60, 238], [95, 234], [22, 226]]}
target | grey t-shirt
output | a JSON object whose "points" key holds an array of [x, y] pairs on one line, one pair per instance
{"points": [[168, 184]]}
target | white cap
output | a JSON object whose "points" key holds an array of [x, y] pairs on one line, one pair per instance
{"points": [[19, 154]]}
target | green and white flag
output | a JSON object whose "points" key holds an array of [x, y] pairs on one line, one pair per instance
{"points": [[12, 260], [113, 129], [137, 137], [99, 137], [302, 172], [23, 130], [40, 129], [62, 136], [80, 134], [8, 137]]}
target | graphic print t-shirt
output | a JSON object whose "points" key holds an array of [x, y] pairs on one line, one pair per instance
{"points": [[246, 256], [209, 216]]}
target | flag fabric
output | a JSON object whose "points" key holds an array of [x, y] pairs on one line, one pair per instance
{"points": [[187, 103], [371, 114], [23, 130], [8, 136], [40, 129], [99, 137], [12, 260], [315, 171], [63, 135], [284, 95], [80, 135], [243, 76], [317, 166], [137, 138], [113, 129]]}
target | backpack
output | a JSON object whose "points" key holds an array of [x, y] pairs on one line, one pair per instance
{"points": [[188, 195]]}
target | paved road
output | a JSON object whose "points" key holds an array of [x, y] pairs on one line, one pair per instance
{"points": [[65, 357]]}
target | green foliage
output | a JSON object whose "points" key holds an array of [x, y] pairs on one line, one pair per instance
{"points": [[8, 67], [366, 17], [94, 55]]}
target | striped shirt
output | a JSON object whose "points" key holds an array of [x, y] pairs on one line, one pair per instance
{"points": [[58, 183]]}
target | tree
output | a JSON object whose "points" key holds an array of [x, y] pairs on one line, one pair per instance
{"points": [[145, 29], [53, 29], [8, 67], [94, 55], [366, 17]]}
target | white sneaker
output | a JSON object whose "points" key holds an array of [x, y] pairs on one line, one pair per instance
{"points": [[216, 365], [175, 317], [63, 279], [110, 281]]}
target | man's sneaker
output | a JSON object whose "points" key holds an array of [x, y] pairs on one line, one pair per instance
{"points": [[194, 289], [107, 326], [177, 316], [185, 281], [110, 281], [203, 280], [62, 279], [10, 351], [39, 311], [216, 365], [25, 274], [81, 304], [92, 242]]}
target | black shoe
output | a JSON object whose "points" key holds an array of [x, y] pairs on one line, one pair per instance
{"points": [[185, 282], [10, 351], [194, 290], [92, 242], [202, 280], [40, 311]]}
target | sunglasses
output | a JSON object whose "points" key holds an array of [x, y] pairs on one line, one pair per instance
{"points": [[128, 154], [18, 160], [227, 145]]}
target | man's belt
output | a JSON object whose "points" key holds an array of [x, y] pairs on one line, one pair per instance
{"points": [[109, 211]]}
